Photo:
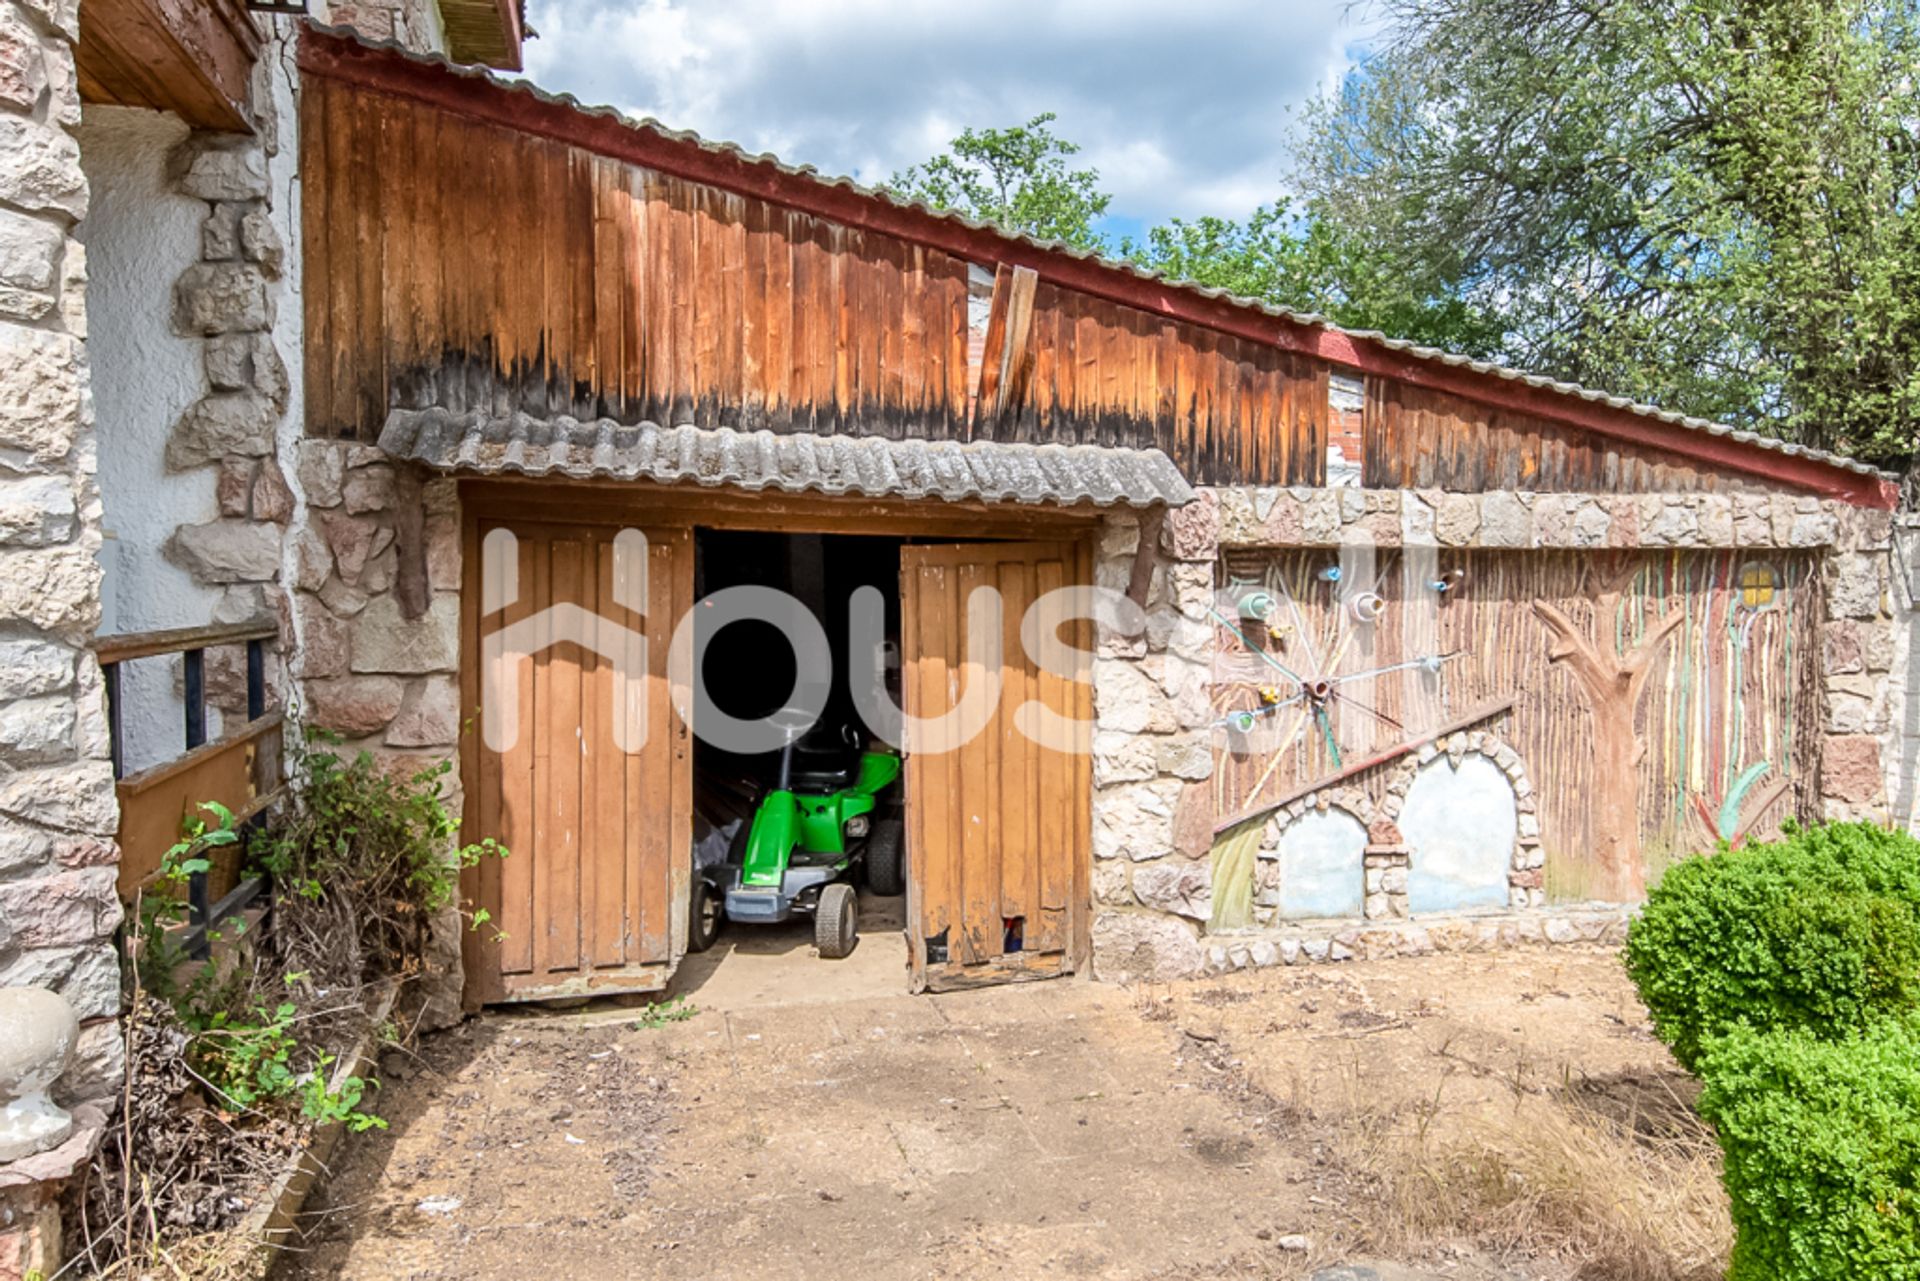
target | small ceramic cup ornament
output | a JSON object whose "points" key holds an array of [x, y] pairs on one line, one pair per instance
{"points": [[37, 1034]]}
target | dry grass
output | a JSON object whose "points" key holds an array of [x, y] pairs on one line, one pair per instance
{"points": [[1613, 1198]]}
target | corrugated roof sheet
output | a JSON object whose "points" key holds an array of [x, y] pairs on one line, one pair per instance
{"points": [[873, 466], [1402, 346]]}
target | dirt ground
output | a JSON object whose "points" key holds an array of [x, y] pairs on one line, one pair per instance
{"points": [[798, 1127]]}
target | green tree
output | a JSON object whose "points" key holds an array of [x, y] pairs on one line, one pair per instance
{"points": [[1710, 204], [1310, 264], [1017, 178]]}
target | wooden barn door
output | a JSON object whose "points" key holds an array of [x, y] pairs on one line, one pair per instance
{"points": [[592, 895], [998, 825]]}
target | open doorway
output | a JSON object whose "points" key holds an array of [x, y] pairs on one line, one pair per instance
{"points": [[799, 838]]}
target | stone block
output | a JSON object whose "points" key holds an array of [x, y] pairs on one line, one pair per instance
{"points": [[43, 167], [320, 472], [324, 639], [227, 551], [368, 489], [50, 588], [1505, 520], [228, 360], [1850, 769], [1127, 699], [222, 424], [1132, 820], [70, 909], [272, 500], [354, 705], [212, 166], [429, 715], [1122, 758], [384, 641], [1183, 887], [1192, 532], [30, 250], [220, 234], [1186, 756], [36, 511], [213, 298], [40, 395], [1144, 947], [30, 668], [443, 553], [260, 242], [1456, 519], [1854, 588], [23, 73], [37, 731], [1110, 884]]}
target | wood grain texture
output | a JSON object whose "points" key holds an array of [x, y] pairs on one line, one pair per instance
{"points": [[997, 843], [1718, 688]]}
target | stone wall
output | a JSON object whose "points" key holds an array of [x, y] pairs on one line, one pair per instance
{"points": [[58, 816], [58, 907], [1153, 819], [376, 581]]}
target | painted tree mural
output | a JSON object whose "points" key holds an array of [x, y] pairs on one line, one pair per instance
{"points": [[1613, 680]]}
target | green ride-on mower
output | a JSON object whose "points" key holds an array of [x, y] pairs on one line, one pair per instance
{"points": [[827, 811]]}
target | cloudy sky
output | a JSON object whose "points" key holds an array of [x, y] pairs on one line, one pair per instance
{"points": [[1184, 109]]}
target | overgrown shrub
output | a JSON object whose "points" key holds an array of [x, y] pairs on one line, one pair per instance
{"points": [[1819, 930], [1822, 1151], [377, 846]]}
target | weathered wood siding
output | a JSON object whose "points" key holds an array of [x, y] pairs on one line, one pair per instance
{"points": [[1417, 438], [466, 265], [469, 249], [1730, 688]]}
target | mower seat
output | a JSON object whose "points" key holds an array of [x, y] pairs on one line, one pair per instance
{"points": [[822, 763]]}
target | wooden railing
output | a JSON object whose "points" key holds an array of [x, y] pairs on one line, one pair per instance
{"points": [[241, 770]]}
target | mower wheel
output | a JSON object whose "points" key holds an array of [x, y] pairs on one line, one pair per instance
{"points": [[708, 912], [836, 922], [884, 848]]}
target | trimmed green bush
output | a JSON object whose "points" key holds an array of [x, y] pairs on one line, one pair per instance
{"points": [[1819, 930], [1822, 1145]]}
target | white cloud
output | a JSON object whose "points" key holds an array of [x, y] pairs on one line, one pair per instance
{"points": [[1183, 109]]}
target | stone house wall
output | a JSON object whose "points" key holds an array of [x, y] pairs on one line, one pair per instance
{"points": [[58, 816], [1152, 806]]}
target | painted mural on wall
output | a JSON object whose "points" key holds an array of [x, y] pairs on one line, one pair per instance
{"points": [[1660, 702]]}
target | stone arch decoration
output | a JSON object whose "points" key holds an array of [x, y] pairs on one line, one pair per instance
{"points": [[1312, 858], [1458, 830]]}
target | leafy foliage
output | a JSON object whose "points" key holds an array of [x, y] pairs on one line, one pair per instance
{"points": [[1017, 178], [1311, 264], [1819, 930], [1822, 1147], [382, 842], [1710, 204]]}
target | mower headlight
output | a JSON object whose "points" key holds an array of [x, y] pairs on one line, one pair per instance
{"points": [[857, 826]]}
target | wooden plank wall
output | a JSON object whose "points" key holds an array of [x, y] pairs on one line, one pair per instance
{"points": [[458, 264], [470, 265], [1415, 438], [1729, 688]]}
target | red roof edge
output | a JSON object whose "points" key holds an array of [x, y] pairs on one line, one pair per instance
{"points": [[474, 95]]}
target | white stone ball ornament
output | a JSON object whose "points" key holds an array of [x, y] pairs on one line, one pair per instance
{"points": [[37, 1034]]}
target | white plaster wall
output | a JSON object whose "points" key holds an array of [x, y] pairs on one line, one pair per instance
{"points": [[140, 235]]}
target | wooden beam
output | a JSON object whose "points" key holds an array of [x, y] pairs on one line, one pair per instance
{"points": [[650, 147], [1140, 581], [128, 645], [192, 57], [1485, 712]]}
